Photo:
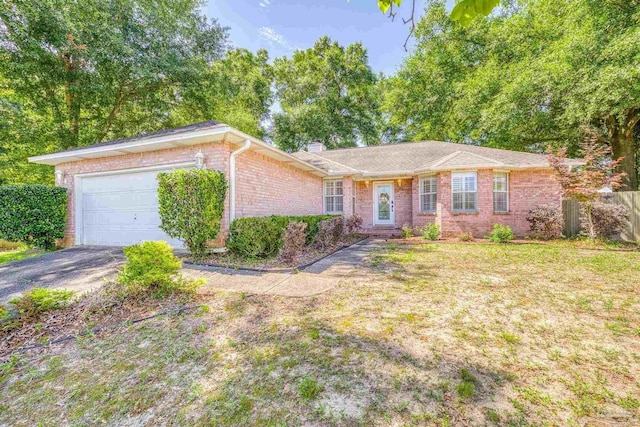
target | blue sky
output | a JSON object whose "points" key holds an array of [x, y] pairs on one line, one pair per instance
{"points": [[281, 26]]}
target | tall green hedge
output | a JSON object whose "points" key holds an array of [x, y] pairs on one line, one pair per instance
{"points": [[191, 203], [261, 237], [33, 214]]}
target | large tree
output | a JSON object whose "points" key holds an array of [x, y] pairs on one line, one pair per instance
{"points": [[326, 93], [236, 90], [76, 73], [536, 74]]}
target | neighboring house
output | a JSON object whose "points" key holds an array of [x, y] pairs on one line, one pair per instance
{"points": [[113, 189]]}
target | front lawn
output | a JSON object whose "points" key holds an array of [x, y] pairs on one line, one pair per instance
{"points": [[424, 334], [17, 255]]}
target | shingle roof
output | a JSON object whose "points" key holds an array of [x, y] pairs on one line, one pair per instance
{"points": [[166, 132], [421, 156]]}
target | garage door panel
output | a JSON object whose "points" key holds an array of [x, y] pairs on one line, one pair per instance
{"points": [[121, 210]]}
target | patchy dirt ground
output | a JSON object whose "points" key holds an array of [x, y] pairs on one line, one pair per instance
{"points": [[424, 334]]}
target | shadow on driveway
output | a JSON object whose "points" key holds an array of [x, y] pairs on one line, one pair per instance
{"points": [[78, 269]]}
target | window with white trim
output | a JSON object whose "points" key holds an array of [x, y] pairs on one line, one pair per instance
{"points": [[333, 196], [464, 186], [501, 192], [428, 193]]}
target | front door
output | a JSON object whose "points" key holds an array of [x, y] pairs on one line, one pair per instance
{"points": [[383, 206]]}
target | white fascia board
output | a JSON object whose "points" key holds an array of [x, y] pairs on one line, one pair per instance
{"points": [[56, 158]]}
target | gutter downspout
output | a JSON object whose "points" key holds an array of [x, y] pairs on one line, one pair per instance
{"points": [[232, 179]]}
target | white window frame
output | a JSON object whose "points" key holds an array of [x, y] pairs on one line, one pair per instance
{"points": [[504, 174], [334, 196], [428, 193], [464, 175]]}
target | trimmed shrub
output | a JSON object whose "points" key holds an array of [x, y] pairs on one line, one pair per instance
{"points": [[152, 266], [546, 222], [329, 232], [33, 214], [608, 219], [39, 300], [191, 203], [407, 232], [293, 241], [431, 231], [501, 234], [353, 223], [262, 237]]}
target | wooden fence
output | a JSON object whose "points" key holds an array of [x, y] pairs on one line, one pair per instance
{"points": [[630, 199]]}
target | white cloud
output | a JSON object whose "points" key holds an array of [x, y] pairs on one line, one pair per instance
{"points": [[265, 3], [273, 36]]}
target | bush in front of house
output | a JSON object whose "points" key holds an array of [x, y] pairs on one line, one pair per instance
{"points": [[546, 222], [294, 240], [406, 232], [501, 234], [329, 232], [431, 231], [191, 203], [262, 237], [33, 214], [39, 300], [152, 267], [352, 223], [608, 219]]}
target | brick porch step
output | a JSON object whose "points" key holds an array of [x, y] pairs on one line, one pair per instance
{"points": [[381, 232]]}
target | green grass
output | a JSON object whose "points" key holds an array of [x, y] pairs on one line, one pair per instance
{"points": [[437, 334], [17, 255]]}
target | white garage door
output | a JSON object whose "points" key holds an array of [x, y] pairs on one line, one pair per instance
{"points": [[121, 210]]}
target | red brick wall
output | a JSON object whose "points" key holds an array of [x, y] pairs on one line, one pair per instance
{"points": [[264, 186], [527, 189], [268, 187]]}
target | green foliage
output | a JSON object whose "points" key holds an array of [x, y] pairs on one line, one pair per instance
{"points": [[407, 231], [308, 388], [70, 76], [431, 231], [152, 267], [235, 90], [467, 388], [531, 75], [191, 203], [327, 93], [39, 300], [261, 237], [501, 234], [466, 10], [33, 214]]}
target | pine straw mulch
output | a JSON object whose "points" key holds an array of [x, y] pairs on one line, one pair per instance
{"points": [[309, 255], [101, 308]]}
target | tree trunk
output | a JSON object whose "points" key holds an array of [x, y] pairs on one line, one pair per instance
{"points": [[623, 145]]}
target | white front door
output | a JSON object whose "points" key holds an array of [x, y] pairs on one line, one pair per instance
{"points": [[383, 204], [120, 209]]}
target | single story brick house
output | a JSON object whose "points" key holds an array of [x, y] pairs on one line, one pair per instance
{"points": [[113, 189]]}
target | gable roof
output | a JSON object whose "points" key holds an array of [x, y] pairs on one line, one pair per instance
{"points": [[194, 134], [424, 156]]}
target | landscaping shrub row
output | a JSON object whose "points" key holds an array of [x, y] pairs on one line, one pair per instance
{"points": [[262, 237]]}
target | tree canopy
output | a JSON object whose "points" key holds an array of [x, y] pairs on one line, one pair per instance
{"points": [[538, 73], [526, 75], [326, 93]]}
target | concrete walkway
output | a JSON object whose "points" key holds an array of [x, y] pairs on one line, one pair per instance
{"points": [[315, 279]]}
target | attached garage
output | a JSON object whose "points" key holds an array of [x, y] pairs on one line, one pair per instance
{"points": [[119, 209]]}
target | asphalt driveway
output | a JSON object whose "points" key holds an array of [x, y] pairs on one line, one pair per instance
{"points": [[78, 269]]}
